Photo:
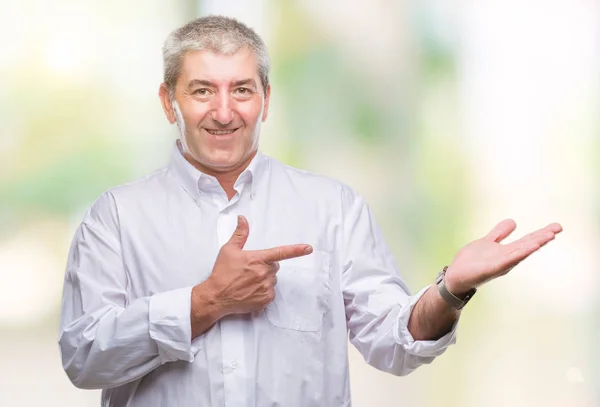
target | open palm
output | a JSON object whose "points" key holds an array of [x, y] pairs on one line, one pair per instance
{"points": [[485, 259]]}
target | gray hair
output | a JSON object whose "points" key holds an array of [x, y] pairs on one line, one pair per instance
{"points": [[218, 34]]}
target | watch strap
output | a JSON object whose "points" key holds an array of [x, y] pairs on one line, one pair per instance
{"points": [[450, 298]]}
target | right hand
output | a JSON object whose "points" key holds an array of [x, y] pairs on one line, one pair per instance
{"points": [[244, 281]]}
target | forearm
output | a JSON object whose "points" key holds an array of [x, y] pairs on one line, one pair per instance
{"points": [[431, 317], [205, 309]]}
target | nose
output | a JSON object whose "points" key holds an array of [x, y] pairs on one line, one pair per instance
{"points": [[222, 111]]}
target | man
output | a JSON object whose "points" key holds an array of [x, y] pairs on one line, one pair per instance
{"points": [[230, 279]]}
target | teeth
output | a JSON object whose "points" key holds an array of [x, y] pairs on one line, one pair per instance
{"points": [[220, 132]]}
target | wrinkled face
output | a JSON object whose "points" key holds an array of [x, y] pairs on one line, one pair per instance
{"points": [[219, 105]]}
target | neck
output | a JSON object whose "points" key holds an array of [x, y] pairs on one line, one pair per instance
{"points": [[226, 177]]}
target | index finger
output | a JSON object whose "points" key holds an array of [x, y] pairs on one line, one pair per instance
{"points": [[540, 237], [280, 253]]}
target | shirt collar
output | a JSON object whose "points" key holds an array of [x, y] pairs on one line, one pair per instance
{"points": [[195, 181]]}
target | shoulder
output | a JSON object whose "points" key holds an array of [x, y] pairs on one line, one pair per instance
{"points": [[313, 185], [105, 209], [149, 184]]}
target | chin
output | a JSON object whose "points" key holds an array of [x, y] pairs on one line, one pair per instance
{"points": [[222, 160], [221, 164]]}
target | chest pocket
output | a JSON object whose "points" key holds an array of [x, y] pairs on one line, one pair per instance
{"points": [[302, 293]]}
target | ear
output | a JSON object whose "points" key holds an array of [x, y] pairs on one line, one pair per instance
{"points": [[266, 103], [165, 100]]}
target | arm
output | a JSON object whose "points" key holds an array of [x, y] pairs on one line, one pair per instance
{"points": [[377, 301], [106, 339]]}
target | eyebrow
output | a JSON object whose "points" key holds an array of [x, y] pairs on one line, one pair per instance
{"points": [[247, 82], [201, 82]]}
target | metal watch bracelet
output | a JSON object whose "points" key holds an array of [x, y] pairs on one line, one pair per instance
{"points": [[451, 299]]}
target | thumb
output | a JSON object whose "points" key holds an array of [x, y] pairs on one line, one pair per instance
{"points": [[240, 234]]}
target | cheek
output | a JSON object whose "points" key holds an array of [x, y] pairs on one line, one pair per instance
{"points": [[195, 113], [251, 114]]}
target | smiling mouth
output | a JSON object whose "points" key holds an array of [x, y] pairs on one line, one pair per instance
{"points": [[220, 132]]}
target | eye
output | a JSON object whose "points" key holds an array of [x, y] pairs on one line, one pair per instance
{"points": [[201, 92], [243, 91]]}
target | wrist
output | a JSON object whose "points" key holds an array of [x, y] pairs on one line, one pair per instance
{"points": [[205, 303], [456, 299], [457, 287]]}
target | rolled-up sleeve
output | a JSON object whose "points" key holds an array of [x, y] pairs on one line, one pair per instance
{"points": [[421, 348], [377, 301], [170, 324], [107, 339]]}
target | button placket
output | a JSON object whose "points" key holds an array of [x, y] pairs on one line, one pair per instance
{"points": [[232, 328]]}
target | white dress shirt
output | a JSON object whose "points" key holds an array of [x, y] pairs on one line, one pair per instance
{"points": [[125, 320]]}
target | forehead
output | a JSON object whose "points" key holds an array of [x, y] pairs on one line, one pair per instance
{"points": [[218, 68]]}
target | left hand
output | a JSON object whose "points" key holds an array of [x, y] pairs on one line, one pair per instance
{"points": [[486, 259]]}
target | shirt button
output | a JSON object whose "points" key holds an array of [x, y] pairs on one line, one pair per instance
{"points": [[233, 365]]}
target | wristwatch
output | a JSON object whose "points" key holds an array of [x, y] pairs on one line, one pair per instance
{"points": [[450, 298]]}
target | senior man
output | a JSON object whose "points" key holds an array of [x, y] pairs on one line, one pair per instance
{"points": [[230, 279]]}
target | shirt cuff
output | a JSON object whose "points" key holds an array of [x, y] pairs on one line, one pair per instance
{"points": [[426, 348], [170, 325]]}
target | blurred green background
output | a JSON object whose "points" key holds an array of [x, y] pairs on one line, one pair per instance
{"points": [[448, 116]]}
